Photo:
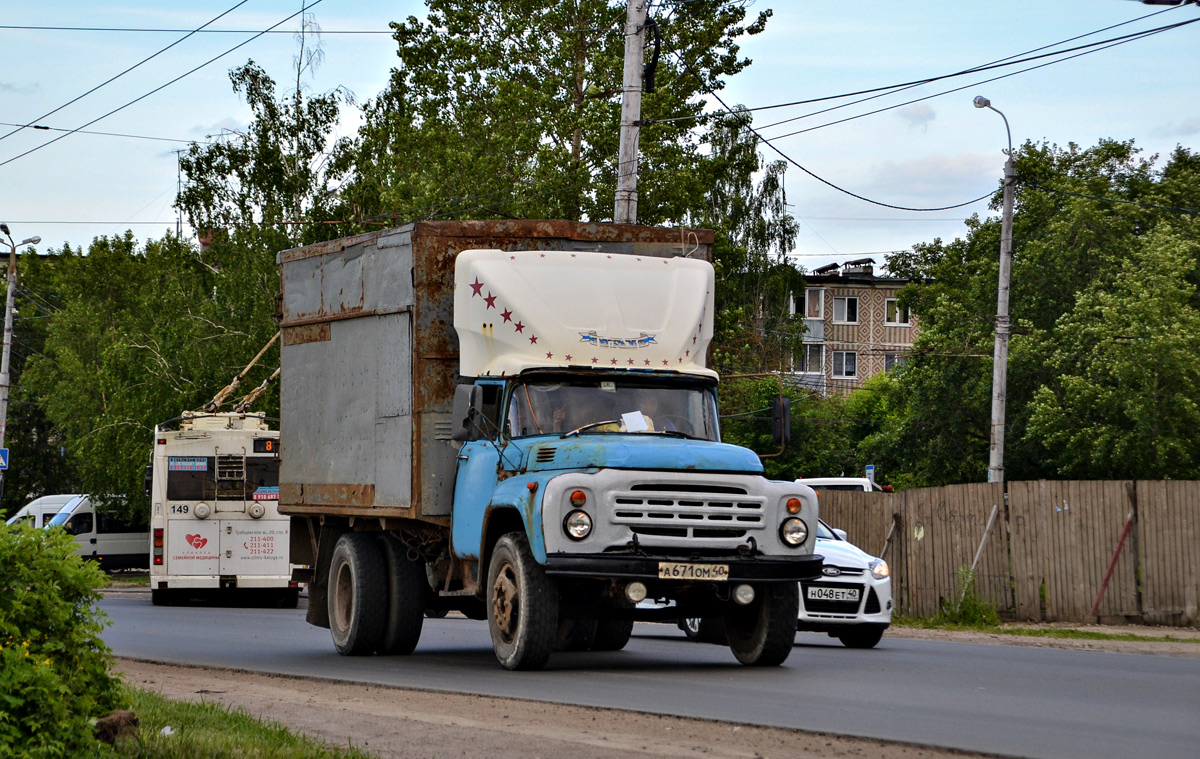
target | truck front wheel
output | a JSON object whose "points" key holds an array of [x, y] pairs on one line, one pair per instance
{"points": [[762, 634], [357, 594], [522, 605]]}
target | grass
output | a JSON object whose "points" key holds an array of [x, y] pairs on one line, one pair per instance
{"points": [[213, 731], [937, 623], [129, 579]]}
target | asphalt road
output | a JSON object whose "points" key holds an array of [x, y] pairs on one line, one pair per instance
{"points": [[1010, 700]]}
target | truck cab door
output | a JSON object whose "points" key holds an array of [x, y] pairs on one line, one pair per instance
{"points": [[474, 483]]}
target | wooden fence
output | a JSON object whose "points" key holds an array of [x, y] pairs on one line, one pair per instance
{"points": [[1047, 553]]}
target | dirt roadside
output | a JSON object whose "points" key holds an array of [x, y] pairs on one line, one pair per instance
{"points": [[395, 723]]}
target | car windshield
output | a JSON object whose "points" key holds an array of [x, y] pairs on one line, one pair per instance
{"points": [[824, 532], [631, 405], [64, 513]]}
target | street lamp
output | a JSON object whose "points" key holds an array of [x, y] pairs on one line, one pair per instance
{"points": [[1000, 353], [8, 331]]}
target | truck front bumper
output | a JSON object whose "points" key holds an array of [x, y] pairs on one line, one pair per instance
{"points": [[609, 566]]}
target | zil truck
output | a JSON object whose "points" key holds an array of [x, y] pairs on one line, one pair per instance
{"points": [[515, 420], [215, 530]]}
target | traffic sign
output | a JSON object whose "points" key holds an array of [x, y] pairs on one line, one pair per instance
{"points": [[3, 459], [871, 472]]}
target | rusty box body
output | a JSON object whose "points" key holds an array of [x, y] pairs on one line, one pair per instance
{"points": [[370, 357]]}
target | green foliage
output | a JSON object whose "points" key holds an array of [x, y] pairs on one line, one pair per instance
{"points": [[53, 665], [212, 731], [512, 110], [1103, 362], [970, 610]]}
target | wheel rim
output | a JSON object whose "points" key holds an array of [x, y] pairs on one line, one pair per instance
{"points": [[506, 602], [343, 597], [692, 625]]}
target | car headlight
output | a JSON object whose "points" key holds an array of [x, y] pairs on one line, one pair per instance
{"points": [[577, 525], [879, 569], [793, 531]]}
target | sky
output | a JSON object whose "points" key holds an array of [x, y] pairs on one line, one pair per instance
{"points": [[938, 151]]}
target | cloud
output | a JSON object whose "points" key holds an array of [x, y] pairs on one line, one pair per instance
{"points": [[1190, 126], [938, 179], [224, 125], [918, 115]]}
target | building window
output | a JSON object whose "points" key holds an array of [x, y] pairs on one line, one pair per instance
{"points": [[845, 364], [893, 360], [845, 310], [814, 304], [896, 316], [811, 359]]}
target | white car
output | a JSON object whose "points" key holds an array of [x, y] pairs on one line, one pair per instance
{"points": [[852, 600]]}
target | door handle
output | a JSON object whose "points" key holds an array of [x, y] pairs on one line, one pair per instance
{"points": [[93, 541]]}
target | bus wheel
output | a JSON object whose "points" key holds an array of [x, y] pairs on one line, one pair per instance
{"points": [[288, 598], [522, 605], [357, 606], [160, 596], [406, 598], [763, 633]]}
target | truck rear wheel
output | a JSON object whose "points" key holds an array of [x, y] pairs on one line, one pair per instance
{"points": [[763, 633], [407, 588], [522, 605], [357, 594]]}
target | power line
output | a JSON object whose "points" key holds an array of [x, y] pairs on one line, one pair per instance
{"points": [[168, 84], [178, 31], [44, 128], [126, 71]]}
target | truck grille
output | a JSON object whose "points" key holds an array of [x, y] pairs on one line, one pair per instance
{"points": [[674, 510]]}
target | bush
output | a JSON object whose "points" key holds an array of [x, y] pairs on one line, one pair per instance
{"points": [[971, 610], [53, 665]]}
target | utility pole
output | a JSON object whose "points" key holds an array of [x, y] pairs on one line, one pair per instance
{"points": [[1003, 326], [9, 310], [625, 211]]}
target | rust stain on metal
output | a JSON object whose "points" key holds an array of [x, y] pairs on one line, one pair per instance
{"points": [[309, 333]]}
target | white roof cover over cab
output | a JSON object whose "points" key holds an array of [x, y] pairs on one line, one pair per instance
{"points": [[516, 310]]}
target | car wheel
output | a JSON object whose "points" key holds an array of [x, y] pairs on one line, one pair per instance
{"points": [[862, 636], [357, 601], [691, 627]]}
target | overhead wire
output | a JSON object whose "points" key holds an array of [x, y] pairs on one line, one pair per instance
{"points": [[164, 86], [112, 79]]}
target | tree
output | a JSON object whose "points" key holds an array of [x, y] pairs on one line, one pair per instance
{"points": [[511, 110], [1067, 240]]}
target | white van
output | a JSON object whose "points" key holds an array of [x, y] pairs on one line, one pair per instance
{"points": [[859, 484], [103, 537], [38, 512]]}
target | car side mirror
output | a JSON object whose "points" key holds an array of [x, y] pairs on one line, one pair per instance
{"points": [[464, 413], [840, 533]]}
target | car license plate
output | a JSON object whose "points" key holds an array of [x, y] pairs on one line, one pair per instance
{"points": [[819, 593], [671, 570]]}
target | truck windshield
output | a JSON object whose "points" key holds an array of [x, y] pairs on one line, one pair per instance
{"points": [[553, 406]]}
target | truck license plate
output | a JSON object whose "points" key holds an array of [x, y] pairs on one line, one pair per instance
{"points": [[671, 570], [818, 593]]}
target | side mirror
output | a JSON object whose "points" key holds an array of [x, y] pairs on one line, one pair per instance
{"points": [[781, 420], [840, 533], [463, 413]]}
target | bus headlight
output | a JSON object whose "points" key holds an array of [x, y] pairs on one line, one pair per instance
{"points": [[793, 531], [577, 525]]}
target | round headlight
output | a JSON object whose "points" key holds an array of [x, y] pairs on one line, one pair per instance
{"points": [[577, 525], [793, 531], [879, 569]]}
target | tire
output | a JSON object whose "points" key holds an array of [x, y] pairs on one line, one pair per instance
{"points": [[436, 613], [860, 636], [357, 601], [160, 596], [522, 605], [612, 634], [762, 634], [288, 598], [691, 627], [575, 634], [407, 591]]}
